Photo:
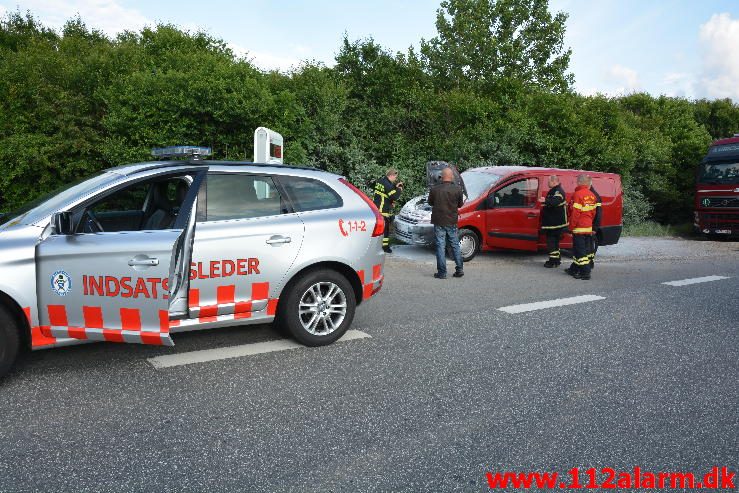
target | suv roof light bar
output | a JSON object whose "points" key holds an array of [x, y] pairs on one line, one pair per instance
{"points": [[193, 152]]}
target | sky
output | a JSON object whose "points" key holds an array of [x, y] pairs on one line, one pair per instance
{"points": [[682, 48]]}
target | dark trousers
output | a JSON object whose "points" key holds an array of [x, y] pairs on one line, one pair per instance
{"points": [[444, 234], [553, 237], [593, 247], [388, 224], [581, 245]]}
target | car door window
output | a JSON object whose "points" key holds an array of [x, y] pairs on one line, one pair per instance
{"points": [[240, 196], [520, 193], [147, 205]]}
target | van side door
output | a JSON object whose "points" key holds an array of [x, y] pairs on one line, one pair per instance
{"points": [[512, 215]]}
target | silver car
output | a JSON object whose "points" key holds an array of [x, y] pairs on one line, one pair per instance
{"points": [[413, 223], [139, 252]]}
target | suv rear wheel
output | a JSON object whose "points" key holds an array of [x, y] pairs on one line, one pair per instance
{"points": [[319, 308], [9, 341]]}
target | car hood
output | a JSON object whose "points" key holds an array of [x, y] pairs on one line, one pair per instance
{"points": [[433, 174]]}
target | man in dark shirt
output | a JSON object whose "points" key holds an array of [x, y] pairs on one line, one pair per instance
{"points": [[445, 199]]}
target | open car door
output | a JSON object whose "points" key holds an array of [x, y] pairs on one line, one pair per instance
{"points": [[115, 285]]}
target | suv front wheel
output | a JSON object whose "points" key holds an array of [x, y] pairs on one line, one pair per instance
{"points": [[319, 308]]}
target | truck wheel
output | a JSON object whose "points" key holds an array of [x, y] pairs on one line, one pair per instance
{"points": [[469, 244], [319, 308], [9, 341]]}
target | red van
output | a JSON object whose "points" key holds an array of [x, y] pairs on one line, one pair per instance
{"points": [[503, 208]]}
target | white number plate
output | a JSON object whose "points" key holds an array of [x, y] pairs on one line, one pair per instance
{"points": [[723, 231]]}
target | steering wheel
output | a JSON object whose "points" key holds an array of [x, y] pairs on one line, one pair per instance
{"points": [[92, 223]]}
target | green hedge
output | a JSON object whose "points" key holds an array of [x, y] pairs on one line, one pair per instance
{"points": [[75, 101]]}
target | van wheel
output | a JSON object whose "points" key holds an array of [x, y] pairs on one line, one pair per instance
{"points": [[469, 244], [9, 341], [319, 308]]}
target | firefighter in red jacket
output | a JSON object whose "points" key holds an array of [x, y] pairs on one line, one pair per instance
{"points": [[582, 214]]}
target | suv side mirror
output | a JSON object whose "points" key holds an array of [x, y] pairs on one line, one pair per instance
{"points": [[61, 223]]}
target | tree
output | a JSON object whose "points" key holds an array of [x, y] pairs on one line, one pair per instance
{"points": [[485, 42]]}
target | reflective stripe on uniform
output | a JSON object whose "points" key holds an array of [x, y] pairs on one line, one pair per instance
{"points": [[584, 208], [555, 227], [582, 230]]}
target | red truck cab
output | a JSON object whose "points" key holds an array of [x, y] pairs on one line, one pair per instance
{"points": [[503, 209], [716, 210]]}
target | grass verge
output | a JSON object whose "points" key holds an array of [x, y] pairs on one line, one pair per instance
{"points": [[651, 228]]}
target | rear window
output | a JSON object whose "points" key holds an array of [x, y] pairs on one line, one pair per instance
{"points": [[310, 195]]}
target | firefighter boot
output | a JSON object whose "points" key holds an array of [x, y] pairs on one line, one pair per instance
{"points": [[572, 270], [583, 273], [552, 263]]}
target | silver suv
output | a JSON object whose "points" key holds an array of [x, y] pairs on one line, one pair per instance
{"points": [[138, 252]]}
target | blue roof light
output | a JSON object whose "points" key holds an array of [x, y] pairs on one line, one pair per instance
{"points": [[194, 152]]}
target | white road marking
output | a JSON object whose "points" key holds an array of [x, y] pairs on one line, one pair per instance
{"points": [[541, 305], [204, 355], [695, 280]]}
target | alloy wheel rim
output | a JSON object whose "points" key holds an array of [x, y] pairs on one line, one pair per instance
{"points": [[322, 308], [467, 245]]}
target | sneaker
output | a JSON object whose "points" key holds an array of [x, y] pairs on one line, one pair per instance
{"points": [[387, 249], [440, 276], [459, 273]]}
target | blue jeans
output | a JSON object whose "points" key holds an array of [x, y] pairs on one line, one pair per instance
{"points": [[442, 234]]}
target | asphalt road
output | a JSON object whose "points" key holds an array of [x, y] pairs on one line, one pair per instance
{"points": [[447, 387]]}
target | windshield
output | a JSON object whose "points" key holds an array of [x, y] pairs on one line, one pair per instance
{"points": [[51, 202], [719, 173], [477, 182]]}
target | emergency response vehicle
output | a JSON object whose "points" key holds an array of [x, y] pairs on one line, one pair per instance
{"points": [[503, 206], [717, 190], [139, 252]]}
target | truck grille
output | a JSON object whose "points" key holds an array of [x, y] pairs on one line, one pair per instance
{"points": [[719, 220], [731, 202]]}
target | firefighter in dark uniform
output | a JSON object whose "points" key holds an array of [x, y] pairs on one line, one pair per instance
{"points": [[596, 224], [554, 220], [582, 213], [386, 193]]}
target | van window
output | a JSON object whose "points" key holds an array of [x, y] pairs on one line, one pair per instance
{"points": [[236, 196], [521, 193]]}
